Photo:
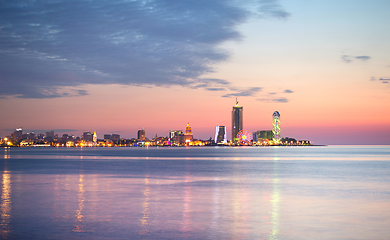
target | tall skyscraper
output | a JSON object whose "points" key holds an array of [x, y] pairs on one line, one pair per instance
{"points": [[237, 119], [141, 135], [220, 134]]}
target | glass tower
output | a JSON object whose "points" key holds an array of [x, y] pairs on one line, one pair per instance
{"points": [[237, 119]]}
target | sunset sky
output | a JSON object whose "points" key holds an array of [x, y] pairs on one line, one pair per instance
{"points": [[118, 66]]}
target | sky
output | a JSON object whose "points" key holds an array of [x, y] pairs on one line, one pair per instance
{"points": [[119, 66]]}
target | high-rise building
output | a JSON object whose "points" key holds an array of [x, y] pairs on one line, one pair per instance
{"points": [[220, 134], [188, 133], [107, 136], [237, 119], [141, 134], [276, 128], [94, 137]]}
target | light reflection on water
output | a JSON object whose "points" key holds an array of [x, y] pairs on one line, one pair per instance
{"points": [[79, 212], [5, 205], [145, 211], [275, 199], [193, 199], [186, 223]]}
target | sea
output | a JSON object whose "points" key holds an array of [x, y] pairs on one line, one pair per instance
{"points": [[280, 192]]}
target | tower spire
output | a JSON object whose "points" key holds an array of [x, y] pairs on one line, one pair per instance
{"points": [[236, 102]]}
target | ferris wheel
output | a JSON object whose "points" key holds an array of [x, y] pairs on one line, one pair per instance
{"points": [[244, 137]]}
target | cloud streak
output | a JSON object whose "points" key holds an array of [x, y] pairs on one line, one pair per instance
{"points": [[383, 80], [348, 58], [273, 100], [244, 92], [52, 48]]}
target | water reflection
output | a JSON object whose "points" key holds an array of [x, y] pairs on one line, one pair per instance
{"points": [[186, 225], [56, 200], [275, 199], [6, 153], [216, 205], [5, 205], [145, 206], [80, 227], [239, 201]]}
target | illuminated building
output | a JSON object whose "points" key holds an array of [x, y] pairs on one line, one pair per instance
{"points": [[17, 135], [141, 135], [26, 143], [172, 133], [263, 135], [40, 136], [188, 133], [175, 137], [220, 134], [65, 138], [94, 137], [276, 126], [237, 119], [87, 136]]}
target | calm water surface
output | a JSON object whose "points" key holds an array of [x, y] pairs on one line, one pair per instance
{"points": [[333, 192]]}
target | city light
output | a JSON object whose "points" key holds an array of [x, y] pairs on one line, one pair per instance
{"points": [[175, 138]]}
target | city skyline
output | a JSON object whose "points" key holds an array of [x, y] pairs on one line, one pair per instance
{"points": [[158, 65], [236, 126]]}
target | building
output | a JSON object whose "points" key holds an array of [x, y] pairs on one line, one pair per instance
{"points": [[50, 136], [188, 134], [94, 137], [40, 136], [31, 136], [115, 137], [173, 133], [237, 120], [141, 135], [263, 135], [17, 135], [220, 135], [87, 136], [107, 136], [175, 137]]}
